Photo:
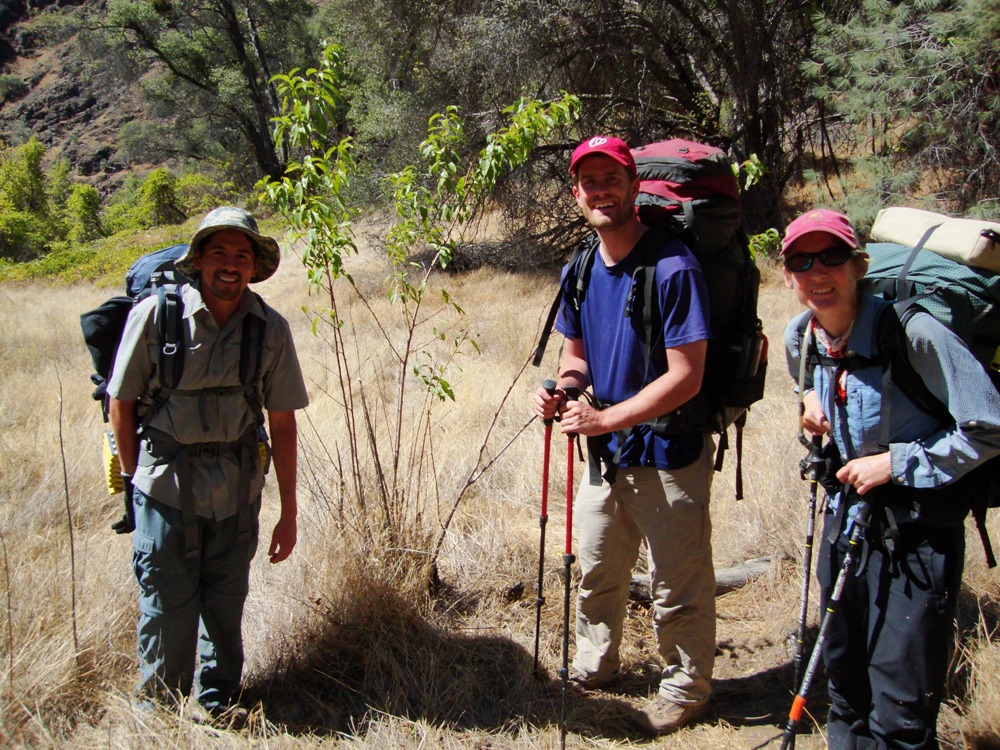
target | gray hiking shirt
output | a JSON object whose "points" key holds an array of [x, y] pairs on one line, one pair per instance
{"points": [[197, 413]]}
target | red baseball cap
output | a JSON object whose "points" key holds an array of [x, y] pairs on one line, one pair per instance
{"points": [[820, 220], [608, 145]]}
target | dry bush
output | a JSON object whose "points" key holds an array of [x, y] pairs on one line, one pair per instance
{"points": [[344, 646]]}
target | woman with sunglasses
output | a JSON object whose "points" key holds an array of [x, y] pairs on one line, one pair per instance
{"points": [[888, 646]]}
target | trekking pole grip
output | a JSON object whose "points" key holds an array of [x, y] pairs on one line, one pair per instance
{"points": [[549, 386], [572, 394]]}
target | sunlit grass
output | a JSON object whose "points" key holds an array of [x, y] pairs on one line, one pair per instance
{"points": [[344, 647]]}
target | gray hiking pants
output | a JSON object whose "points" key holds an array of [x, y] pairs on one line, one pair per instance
{"points": [[191, 606]]}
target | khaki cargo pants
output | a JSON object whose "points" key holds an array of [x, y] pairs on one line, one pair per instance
{"points": [[670, 511]]}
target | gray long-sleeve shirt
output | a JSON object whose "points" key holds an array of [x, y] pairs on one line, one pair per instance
{"points": [[924, 452]]}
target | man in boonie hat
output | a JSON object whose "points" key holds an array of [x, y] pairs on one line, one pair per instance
{"points": [[194, 457]]}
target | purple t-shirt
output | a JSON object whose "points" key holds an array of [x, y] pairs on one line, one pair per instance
{"points": [[610, 323]]}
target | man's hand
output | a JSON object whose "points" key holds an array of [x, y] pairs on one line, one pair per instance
{"points": [[866, 473], [283, 539], [546, 404], [581, 418]]}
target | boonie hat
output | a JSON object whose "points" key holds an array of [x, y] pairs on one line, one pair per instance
{"points": [[820, 220], [231, 217], [616, 148]]}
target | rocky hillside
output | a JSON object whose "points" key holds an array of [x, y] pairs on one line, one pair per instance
{"points": [[51, 91]]}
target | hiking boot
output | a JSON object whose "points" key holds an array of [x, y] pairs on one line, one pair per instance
{"points": [[232, 718], [578, 681], [662, 716]]}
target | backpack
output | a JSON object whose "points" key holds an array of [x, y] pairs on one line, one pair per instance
{"points": [[103, 326], [155, 273], [688, 190]]}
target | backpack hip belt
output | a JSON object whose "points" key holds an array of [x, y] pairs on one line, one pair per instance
{"points": [[163, 450]]}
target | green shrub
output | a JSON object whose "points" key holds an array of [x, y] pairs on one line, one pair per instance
{"points": [[83, 208], [121, 214], [22, 181], [11, 88], [23, 236], [199, 194], [157, 199], [767, 244]]}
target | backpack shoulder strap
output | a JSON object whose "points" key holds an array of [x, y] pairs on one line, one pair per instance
{"points": [[575, 282], [644, 278], [170, 326], [252, 345], [251, 359], [894, 342], [901, 288], [173, 341]]}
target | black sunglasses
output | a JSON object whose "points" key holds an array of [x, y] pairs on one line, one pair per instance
{"points": [[831, 256]]}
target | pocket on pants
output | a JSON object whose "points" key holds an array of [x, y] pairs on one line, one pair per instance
{"points": [[163, 574]]}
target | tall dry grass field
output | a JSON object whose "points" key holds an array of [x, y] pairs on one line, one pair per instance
{"points": [[345, 647]]}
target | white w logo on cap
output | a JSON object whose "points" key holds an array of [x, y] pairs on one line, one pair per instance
{"points": [[597, 141]]}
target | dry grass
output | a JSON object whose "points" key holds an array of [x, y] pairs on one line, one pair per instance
{"points": [[344, 648]]}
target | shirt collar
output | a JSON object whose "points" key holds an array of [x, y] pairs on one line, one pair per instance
{"points": [[193, 302]]}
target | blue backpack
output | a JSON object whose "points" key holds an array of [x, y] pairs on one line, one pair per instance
{"points": [[103, 326]]}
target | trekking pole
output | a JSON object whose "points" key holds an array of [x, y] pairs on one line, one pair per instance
{"points": [[860, 522], [543, 519], [572, 394], [810, 467]]}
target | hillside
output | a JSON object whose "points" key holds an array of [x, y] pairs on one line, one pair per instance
{"points": [[65, 101]]}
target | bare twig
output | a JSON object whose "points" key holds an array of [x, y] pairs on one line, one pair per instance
{"points": [[10, 619], [69, 523], [481, 466]]}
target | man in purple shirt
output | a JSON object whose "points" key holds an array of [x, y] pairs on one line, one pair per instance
{"points": [[659, 488]]}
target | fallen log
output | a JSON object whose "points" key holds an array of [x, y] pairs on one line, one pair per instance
{"points": [[726, 579]]}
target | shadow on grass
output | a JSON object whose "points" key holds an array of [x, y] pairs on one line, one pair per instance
{"points": [[377, 653], [978, 616]]}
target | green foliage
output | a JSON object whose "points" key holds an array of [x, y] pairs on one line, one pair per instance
{"points": [[434, 201], [157, 199], [144, 203], [154, 141], [197, 193], [213, 60], [22, 235], [310, 194], [749, 172], [11, 88], [385, 424], [27, 226], [121, 212], [83, 208], [767, 244], [22, 181], [917, 83], [48, 26], [103, 261]]}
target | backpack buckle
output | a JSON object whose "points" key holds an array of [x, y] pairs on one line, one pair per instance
{"points": [[170, 348]]}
